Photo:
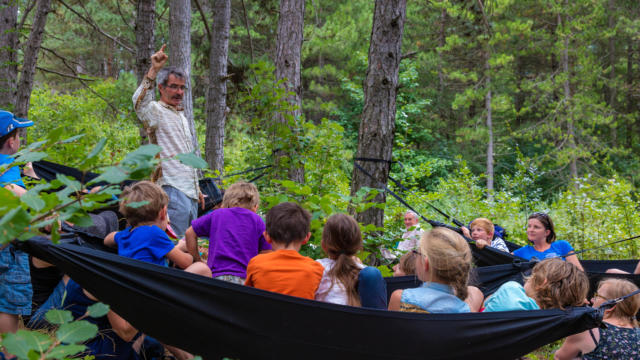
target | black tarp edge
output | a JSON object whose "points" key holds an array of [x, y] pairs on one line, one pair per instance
{"points": [[214, 319]]}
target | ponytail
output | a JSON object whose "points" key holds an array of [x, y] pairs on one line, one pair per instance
{"points": [[341, 239]]}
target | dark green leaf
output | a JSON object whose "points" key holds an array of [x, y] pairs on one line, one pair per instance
{"points": [[13, 223], [58, 317], [112, 175], [72, 139], [76, 332], [30, 157], [23, 341]]}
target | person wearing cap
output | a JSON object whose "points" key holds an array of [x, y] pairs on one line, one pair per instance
{"points": [[9, 144], [15, 281], [167, 126]]}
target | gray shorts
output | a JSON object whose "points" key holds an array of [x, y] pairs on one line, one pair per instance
{"points": [[182, 210]]}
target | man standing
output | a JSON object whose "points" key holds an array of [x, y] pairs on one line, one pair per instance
{"points": [[167, 126], [412, 236]]}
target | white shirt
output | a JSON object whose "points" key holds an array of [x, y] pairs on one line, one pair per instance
{"points": [[172, 135], [330, 289], [412, 238]]}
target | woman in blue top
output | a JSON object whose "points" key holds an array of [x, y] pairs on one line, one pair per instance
{"points": [[542, 235]]}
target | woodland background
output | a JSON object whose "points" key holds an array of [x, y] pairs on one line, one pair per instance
{"points": [[503, 107]]}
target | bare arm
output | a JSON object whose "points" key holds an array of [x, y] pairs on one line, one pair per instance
{"points": [[16, 189], [191, 241], [574, 345], [394, 301], [575, 261], [180, 258], [637, 270], [110, 241], [121, 326]]}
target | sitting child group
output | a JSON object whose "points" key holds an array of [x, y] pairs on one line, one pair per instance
{"points": [[243, 249]]}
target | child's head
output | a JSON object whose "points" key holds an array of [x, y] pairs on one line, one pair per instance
{"points": [[341, 240], [341, 235], [481, 229], [609, 289], [288, 223], [241, 194], [407, 265], [446, 258], [555, 283], [143, 191], [10, 132]]}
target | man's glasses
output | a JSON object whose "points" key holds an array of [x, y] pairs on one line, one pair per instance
{"points": [[176, 87]]}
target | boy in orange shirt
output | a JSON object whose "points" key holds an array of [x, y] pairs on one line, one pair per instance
{"points": [[284, 270]]}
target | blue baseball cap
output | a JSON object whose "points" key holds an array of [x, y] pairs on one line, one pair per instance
{"points": [[9, 122]]}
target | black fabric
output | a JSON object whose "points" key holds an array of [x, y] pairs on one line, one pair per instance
{"points": [[213, 318], [489, 256]]}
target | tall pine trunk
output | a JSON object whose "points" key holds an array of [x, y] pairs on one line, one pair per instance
{"points": [[573, 162], [377, 127], [8, 53], [180, 55], [217, 94], [288, 49], [490, 129], [31, 50], [145, 47], [145, 30], [612, 93]]}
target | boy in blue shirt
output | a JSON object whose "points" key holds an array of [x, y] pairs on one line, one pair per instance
{"points": [[15, 281], [145, 238]]}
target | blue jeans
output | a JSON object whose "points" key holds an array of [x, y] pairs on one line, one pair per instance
{"points": [[182, 210], [54, 301], [372, 288]]}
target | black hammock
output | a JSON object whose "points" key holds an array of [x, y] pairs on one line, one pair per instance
{"points": [[213, 318]]}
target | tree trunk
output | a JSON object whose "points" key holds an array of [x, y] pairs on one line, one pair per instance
{"points": [[180, 55], [217, 94], [490, 129], [8, 53], [612, 93], [145, 30], [25, 84], [630, 101], [573, 165], [377, 127], [288, 49]]}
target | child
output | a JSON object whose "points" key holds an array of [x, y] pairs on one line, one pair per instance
{"points": [[15, 282], [145, 239], [235, 233], [284, 270], [345, 280], [407, 264], [553, 284], [443, 264], [482, 232], [620, 339]]}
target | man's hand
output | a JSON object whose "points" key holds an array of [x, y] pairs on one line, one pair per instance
{"points": [[157, 62], [201, 200]]}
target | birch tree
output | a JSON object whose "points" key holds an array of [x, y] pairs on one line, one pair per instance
{"points": [[377, 127]]}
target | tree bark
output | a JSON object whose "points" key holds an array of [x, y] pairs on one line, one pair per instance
{"points": [[31, 50], [288, 49], [612, 93], [8, 53], [180, 55], [573, 164], [377, 127], [630, 101], [145, 30], [217, 94], [490, 129]]}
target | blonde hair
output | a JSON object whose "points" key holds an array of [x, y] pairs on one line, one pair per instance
{"points": [[558, 284], [628, 308], [241, 194], [147, 191], [449, 258], [483, 223], [342, 239]]}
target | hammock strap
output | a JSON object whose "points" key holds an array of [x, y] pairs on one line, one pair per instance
{"points": [[598, 247], [611, 303]]}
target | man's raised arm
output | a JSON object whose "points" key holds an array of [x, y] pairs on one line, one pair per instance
{"points": [[145, 93]]}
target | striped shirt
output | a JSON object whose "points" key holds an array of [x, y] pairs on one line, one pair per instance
{"points": [[168, 127]]}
